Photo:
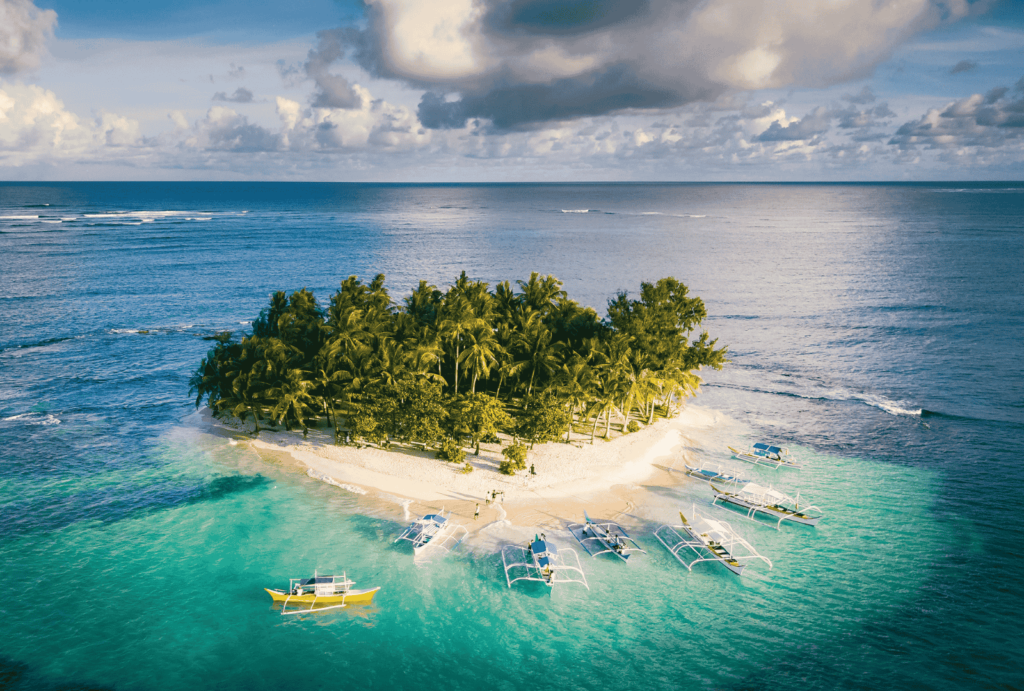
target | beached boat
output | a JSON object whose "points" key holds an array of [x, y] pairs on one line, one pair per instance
{"points": [[706, 539], [717, 475], [604, 538], [320, 593], [434, 530], [771, 502], [541, 561], [766, 454]]}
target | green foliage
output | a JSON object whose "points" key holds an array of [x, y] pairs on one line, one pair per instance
{"points": [[470, 361], [515, 459], [466, 469], [451, 451], [633, 426]]}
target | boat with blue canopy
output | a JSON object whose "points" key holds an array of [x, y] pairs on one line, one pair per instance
{"points": [[719, 474], [540, 560], [604, 538], [434, 530], [762, 453]]}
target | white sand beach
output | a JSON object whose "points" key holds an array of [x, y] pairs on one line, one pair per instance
{"points": [[602, 477]]}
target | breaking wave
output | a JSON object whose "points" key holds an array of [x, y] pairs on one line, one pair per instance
{"points": [[323, 477]]}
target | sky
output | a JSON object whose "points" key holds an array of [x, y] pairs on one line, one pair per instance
{"points": [[512, 90]]}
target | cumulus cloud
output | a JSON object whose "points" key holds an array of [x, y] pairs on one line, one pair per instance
{"points": [[24, 29], [963, 66], [241, 95], [819, 121], [992, 120], [333, 90], [518, 63]]}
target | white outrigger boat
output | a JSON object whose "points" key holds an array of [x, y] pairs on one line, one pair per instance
{"points": [[718, 475], [541, 561], [766, 454], [604, 538], [330, 592], [708, 540], [434, 530], [771, 502]]}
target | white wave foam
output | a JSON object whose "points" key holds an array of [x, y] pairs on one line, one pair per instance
{"points": [[322, 477], [124, 331], [698, 216], [18, 218], [892, 407], [575, 211], [35, 419], [651, 213]]}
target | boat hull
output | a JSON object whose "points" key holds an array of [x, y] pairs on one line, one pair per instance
{"points": [[352, 597], [811, 521]]}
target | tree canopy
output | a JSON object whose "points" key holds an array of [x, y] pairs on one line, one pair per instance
{"points": [[466, 362]]}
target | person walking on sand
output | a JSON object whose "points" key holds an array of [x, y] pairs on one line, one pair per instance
{"points": [[532, 470], [477, 514]]}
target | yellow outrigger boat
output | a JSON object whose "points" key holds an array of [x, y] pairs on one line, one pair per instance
{"points": [[321, 593]]}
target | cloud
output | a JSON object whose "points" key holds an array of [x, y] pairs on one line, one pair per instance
{"points": [[334, 91], [963, 66], [863, 97], [241, 95], [520, 63], [225, 130], [819, 121], [24, 30], [988, 121]]}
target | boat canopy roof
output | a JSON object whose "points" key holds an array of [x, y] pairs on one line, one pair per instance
{"points": [[760, 446], [436, 518], [542, 546]]}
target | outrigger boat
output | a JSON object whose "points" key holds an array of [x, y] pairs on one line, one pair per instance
{"points": [[766, 454], [436, 529], [612, 537], [757, 499], [709, 475], [709, 540], [330, 592], [542, 561]]}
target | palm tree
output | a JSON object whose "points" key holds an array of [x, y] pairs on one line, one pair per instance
{"points": [[457, 319], [541, 293], [577, 381], [536, 351], [291, 397], [480, 353]]}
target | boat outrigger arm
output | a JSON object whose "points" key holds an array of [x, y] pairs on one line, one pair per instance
{"points": [[434, 530], [706, 539], [542, 561], [771, 502], [604, 538]]}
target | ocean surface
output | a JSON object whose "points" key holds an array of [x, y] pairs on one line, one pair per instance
{"points": [[877, 329]]}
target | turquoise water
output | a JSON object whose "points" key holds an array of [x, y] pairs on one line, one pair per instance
{"points": [[135, 545]]}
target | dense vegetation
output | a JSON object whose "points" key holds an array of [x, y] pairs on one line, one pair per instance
{"points": [[469, 362]]}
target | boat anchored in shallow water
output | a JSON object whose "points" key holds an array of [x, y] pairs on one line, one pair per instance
{"points": [[541, 561], [766, 454], [771, 502], [434, 530], [718, 475], [604, 538], [329, 592], [708, 540]]}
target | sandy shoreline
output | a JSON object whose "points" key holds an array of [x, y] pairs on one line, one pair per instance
{"points": [[602, 478]]}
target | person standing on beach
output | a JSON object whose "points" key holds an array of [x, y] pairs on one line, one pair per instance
{"points": [[477, 514]]}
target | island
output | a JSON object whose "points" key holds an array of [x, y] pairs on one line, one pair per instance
{"points": [[466, 395]]}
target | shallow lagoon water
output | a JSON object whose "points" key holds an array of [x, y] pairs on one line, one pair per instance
{"points": [[875, 328]]}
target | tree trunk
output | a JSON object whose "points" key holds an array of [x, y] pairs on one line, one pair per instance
{"points": [[256, 421], [607, 423], [651, 418], [528, 390], [474, 385], [456, 367], [597, 419]]}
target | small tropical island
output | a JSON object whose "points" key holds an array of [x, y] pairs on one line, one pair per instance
{"points": [[517, 382]]}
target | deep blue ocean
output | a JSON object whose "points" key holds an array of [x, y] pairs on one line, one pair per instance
{"points": [[878, 329]]}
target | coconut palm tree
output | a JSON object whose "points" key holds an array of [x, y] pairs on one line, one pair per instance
{"points": [[541, 293], [577, 381], [480, 353], [457, 320], [535, 351], [291, 398]]}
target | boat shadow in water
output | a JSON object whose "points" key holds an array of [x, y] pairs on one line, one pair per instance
{"points": [[365, 614]]}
